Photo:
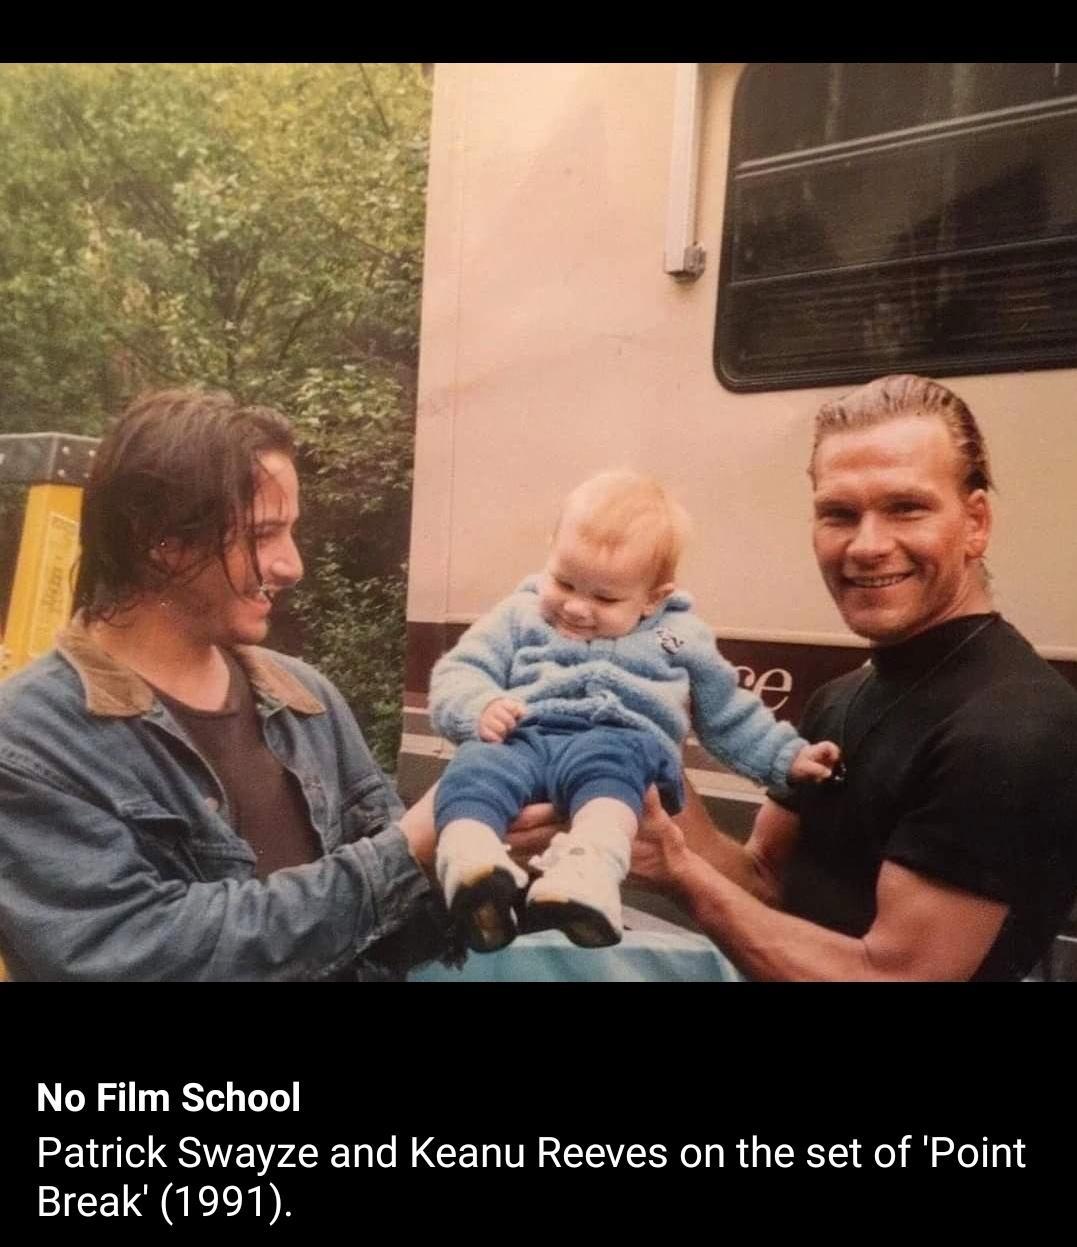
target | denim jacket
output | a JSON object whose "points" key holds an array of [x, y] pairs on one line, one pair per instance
{"points": [[117, 858]]}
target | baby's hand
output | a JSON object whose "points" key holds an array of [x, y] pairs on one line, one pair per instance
{"points": [[499, 718], [815, 762]]}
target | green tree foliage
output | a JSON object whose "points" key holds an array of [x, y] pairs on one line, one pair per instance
{"points": [[350, 618], [251, 227]]}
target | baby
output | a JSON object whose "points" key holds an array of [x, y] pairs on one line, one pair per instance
{"points": [[579, 689]]}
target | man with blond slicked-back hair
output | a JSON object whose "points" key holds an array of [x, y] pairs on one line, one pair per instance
{"points": [[945, 846]]}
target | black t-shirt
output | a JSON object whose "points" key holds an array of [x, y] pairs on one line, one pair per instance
{"points": [[265, 804], [960, 751]]}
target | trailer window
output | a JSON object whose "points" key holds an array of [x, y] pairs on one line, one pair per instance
{"points": [[898, 217]]}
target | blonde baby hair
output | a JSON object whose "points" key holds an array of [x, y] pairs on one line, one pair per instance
{"points": [[619, 507]]}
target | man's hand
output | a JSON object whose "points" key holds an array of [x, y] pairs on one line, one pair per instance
{"points": [[499, 718], [659, 848], [815, 763], [418, 828], [534, 828]]}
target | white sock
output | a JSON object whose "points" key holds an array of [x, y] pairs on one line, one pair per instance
{"points": [[466, 839], [608, 826]]}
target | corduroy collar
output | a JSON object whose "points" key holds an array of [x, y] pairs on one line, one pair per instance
{"points": [[113, 690]]}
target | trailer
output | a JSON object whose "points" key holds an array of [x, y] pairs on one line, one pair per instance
{"points": [[670, 266]]}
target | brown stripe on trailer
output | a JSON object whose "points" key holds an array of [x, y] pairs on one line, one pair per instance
{"points": [[783, 673]]}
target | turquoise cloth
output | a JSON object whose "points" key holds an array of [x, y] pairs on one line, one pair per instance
{"points": [[549, 957]]}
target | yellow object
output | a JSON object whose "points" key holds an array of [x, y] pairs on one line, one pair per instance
{"points": [[42, 591], [43, 588]]}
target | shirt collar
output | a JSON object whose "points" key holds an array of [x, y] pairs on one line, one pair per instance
{"points": [[113, 690]]}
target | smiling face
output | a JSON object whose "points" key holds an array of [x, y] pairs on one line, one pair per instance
{"points": [[897, 537], [590, 591], [228, 601]]}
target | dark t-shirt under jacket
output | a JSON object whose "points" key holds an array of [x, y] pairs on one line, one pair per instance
{"points": [[263, 802]]}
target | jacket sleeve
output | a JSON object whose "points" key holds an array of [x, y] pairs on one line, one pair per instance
{"points": [[371, 805], [475, 671], [732, 723], [82, 897]]}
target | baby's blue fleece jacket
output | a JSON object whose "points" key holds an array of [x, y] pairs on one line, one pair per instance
{"points": [[662, 676]]}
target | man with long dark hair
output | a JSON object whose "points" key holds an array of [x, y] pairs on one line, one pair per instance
{"points": [[175, 801]]}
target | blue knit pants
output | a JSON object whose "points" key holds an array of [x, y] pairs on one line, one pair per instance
{"points": [[568, 763]]}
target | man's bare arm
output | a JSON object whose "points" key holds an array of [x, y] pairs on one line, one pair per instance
{"points": [[924, 930], [756, 865]]}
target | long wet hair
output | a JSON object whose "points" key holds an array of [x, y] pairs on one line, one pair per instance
{"points": [[180, 466]]}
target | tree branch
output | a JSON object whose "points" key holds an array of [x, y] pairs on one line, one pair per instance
{"points": [[370, 91], [312, 309]]}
